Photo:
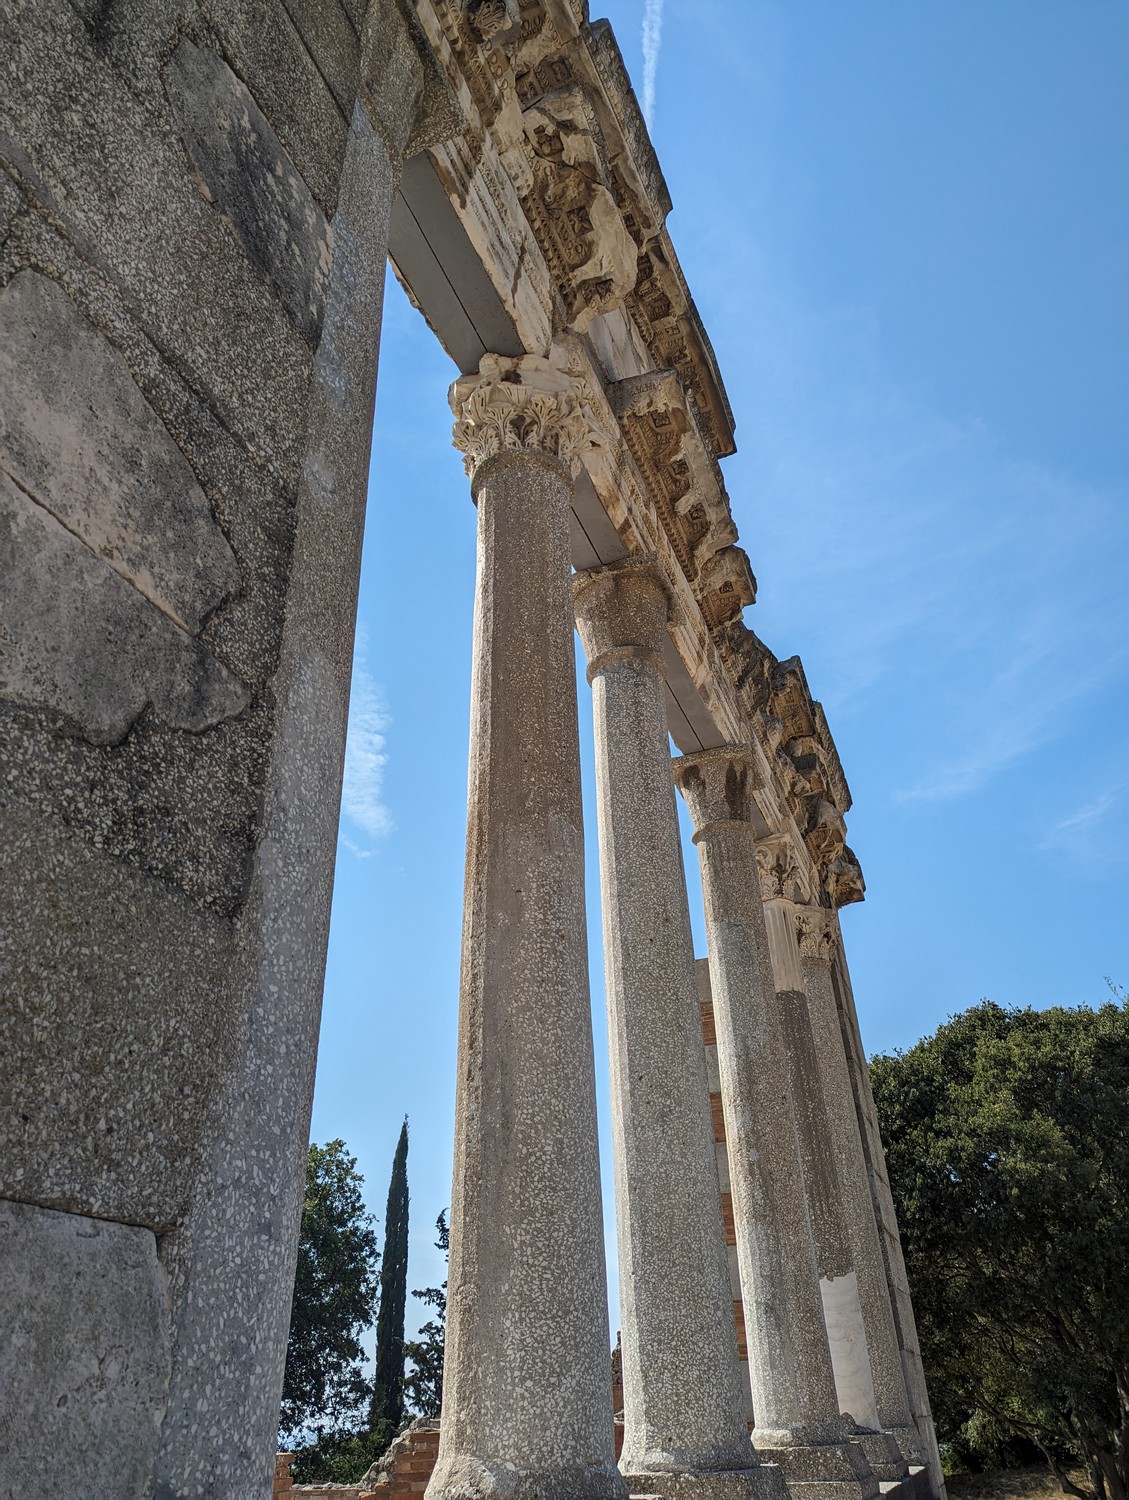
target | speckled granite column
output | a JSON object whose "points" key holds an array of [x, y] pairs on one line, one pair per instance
{"points": [[527, 1391], [794, 1401], [818, 935], [685, 1430], [782, 882]]}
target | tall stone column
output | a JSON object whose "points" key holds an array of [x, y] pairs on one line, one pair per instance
{"points": [[794, 1398], [527, 1391], [685, 1429], [887, 1224], [819, 1127], [818, 935]]}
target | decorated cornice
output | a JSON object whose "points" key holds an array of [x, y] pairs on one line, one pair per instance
{"points": [[559, 191]]}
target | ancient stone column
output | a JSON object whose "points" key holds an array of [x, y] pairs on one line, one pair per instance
{"points": [[830, 1206], [527, 1391], [818, 935], [794, 1399], [685, 1429], [886, 1220]]}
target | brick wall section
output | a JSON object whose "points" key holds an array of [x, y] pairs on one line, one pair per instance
{"points": [[286, 1489], [403, 1472]]}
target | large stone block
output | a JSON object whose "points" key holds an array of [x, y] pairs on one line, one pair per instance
{"points": [[111, 554], [84, 1362], [118, 1012], [251, 182], [299, 62], [137, 214]]}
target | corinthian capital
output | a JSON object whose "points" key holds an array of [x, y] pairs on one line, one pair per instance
{"points": [[522, 405], [817, 931], [781, 869]]}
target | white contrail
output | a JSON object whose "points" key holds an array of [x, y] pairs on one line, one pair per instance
{"points": [[652, 41]]}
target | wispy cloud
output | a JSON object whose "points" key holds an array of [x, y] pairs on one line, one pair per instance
{"points": [[362, 793], [1095, 833], [652, 43], [963, 598]]}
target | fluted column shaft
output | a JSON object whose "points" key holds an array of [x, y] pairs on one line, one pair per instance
{"points": [[794, 1397], [683, 1400], [818, 935], [527, 1387]]}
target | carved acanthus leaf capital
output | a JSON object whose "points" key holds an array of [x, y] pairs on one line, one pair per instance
{"points": [[818, 935], [782, 873], [524, 404]]}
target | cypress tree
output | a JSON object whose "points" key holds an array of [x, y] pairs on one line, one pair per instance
{"points": [[386, 1413]]}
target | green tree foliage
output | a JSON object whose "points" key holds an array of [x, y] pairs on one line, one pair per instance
{"points": [[1007, 1138], [324, 1387], [386, 1413], [423, 1384]]}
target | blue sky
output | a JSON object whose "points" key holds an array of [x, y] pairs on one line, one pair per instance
{"points": [[906, 226]]}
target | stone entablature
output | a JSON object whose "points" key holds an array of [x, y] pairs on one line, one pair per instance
{"points": [[558, 189]]}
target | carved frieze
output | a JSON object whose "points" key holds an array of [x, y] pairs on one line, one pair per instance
{"points": [[725, 586], [684, 479], [571, 207], [668, 320], [488, 17], [750, 664], [843, 879]]}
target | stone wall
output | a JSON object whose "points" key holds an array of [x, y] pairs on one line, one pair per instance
{"points": [[402, 1473], [193, 230]]}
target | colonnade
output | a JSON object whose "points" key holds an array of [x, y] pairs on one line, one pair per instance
{"points": [[527, 1394]]}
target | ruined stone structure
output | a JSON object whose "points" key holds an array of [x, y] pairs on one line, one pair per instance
{"points": [[198, 200]]}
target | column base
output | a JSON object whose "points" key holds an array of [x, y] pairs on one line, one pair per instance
{"points": [[882, 1452], [464, 1476], [915, 1486], [819, 1471], [764, 1482]]}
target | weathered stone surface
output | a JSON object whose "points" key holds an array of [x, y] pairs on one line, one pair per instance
{"points": [[857, 1224], [167, 893], [78, 436], [798, 1423], [232, 1266], [84, 1361], [250, 182], [527, 1381], [77, 639], [111, 554], [133, 208], [683, 1403], [119, 1018]]}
